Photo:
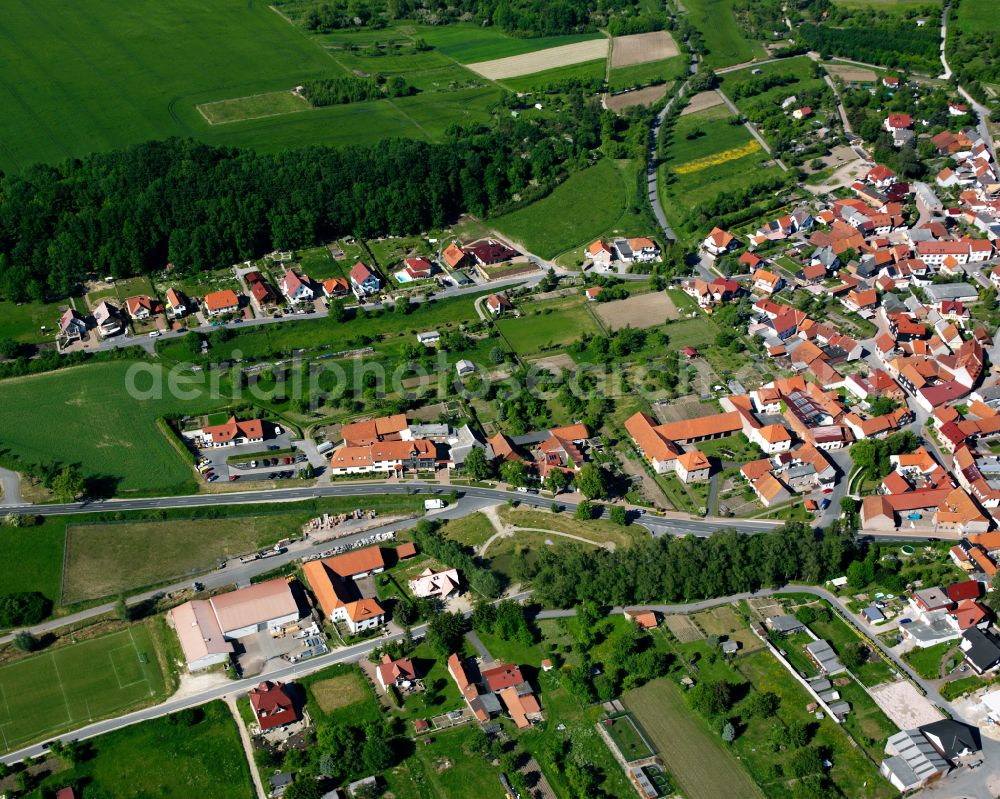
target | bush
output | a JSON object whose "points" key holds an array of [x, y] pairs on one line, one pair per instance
{"points": [[23, 608]]}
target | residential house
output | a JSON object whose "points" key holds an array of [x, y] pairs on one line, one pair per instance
{"points": [[913, 762], [600, 254], [296, 288], [765, 282], [418, 268], [108, 319], [272, 706], [72, 325], [454, 256], [693, 467], [400, 673], [178, 304], [364, 281], [491, 253], [385, 456], [719, 242], [644, 250], [233, 432], [140, 307], [259, 289], [221, 302], [336, 287], [981, 650], [437, 585], [498, 304]]}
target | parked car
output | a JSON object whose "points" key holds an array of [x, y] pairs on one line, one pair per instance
{"points": [[233, 477]]}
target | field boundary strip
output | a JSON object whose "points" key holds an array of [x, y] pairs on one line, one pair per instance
{"points": [[732, 154]]}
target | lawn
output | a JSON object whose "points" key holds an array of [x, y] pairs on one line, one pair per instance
{"points": [[800, 68], [560, 322], [927, 661], [164, 757], [67, 687], [685, 745], [724, 42], [23, 321], [468, 43], [340, 695], [596, 530], [470, 531], [628, 740], [587, 205]]}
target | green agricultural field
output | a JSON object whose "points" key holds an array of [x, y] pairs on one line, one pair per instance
{"points": [[669, 69], [561, 322], [469, 44], [724, 41], [686, 746], [169, 758], [585, 206], [142, 61], [889, 6], [85, 415], [68, 687], [588, 70], [974, 16]]}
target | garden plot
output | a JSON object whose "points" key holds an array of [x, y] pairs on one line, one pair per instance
{"points": [[683, 628], [644, 310], [641, 48], [551, 58]]}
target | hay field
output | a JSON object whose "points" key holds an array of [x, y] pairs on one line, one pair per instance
{"points": [[541, 60], [641, 48], [702, 101], [646, 96]]}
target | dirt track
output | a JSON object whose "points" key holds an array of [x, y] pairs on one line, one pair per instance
{"points": [[641, 48], [529, 63]]}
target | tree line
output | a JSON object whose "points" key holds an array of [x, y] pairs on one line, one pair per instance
{"points": [[671, 569], [132, 211], [351, 89]]}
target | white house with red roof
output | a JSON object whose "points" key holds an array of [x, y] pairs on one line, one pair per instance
{"points": [[498, 304], [178, 305], [600, 254], [440, 585], [296, 288], [897, 122], [418, 268], [72, 325], [139, 307], [233, 432], [719, 242], [363, 280]]}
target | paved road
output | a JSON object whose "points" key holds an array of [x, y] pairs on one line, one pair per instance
{"points": [[11, 484]]}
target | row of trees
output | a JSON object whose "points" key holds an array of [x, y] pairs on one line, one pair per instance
{"points": [[351, 89], [480, 579], [671, 569], [131, 211]]}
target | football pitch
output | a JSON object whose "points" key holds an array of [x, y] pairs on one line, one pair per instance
{"points": [[65, 688]]}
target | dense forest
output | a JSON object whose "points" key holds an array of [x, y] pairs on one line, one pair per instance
{"points": [[671, 569], [888, 45], [519, 17], [131, 211]]}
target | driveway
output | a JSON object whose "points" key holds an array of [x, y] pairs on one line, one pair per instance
{"points": [[10, 483]]}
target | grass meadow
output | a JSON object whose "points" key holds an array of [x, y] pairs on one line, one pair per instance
{"points": [[23, 321], [724, 41], [165, 758], [972, 16], [670, 69], [38, 553], [587, 70], [800, 68], [560, 322], [68, 687], [588, 204]]}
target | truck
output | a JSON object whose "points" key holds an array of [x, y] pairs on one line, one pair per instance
{"points": [[434, 504]]}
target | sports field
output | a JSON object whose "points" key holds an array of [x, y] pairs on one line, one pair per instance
{"points": [[724, 41], [586, 205], [68, 687], [685, 746], [256, 106], [85, 415]]}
